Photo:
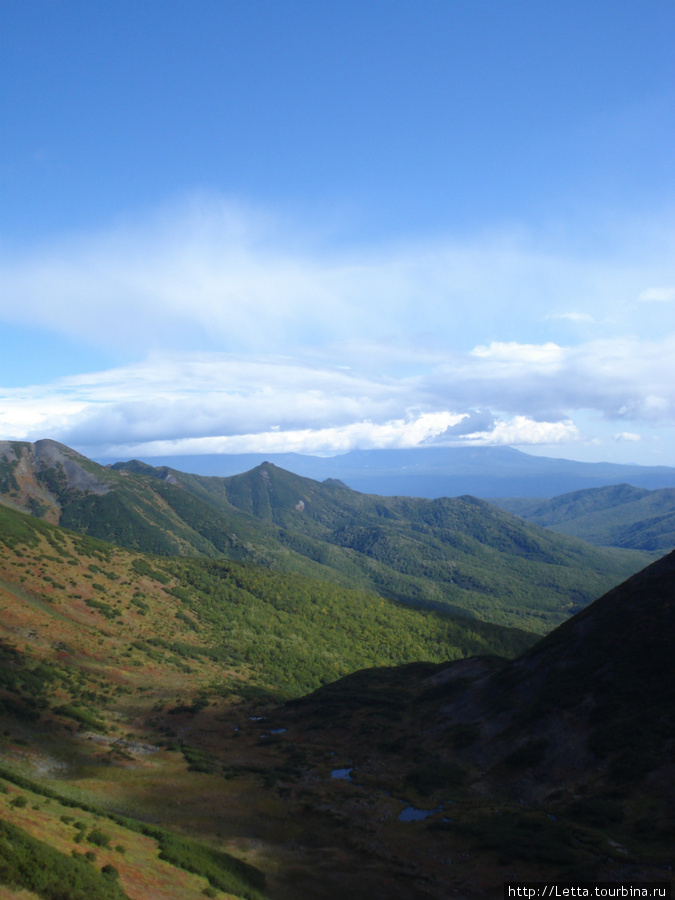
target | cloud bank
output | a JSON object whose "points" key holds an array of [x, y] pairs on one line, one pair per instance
{"points": [[236, 332], [208, 403]]}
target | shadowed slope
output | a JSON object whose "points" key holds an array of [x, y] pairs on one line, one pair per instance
{"points": [[581, 725]]}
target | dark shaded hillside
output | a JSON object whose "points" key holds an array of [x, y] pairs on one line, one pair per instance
{"points": [[592, 704], [617, 516], [563, 759], [596, 696]]}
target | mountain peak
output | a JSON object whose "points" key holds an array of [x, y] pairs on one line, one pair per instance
{"points": [[38, 477]]}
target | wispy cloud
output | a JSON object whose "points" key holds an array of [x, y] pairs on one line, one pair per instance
{"points": [[658, 295], [513, 355], [572, 316], [630, 436], [210, 274]]}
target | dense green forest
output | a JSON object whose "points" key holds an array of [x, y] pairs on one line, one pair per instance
{"points": [[294, 632]]}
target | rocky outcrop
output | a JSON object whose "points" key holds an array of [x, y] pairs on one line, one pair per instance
{"points": [[36, 477]]}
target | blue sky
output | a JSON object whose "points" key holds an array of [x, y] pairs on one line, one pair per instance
{"points": [[314, 226]]}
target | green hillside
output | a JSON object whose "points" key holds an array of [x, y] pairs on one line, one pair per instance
{"points": [[283, 633], [461, 555], [616, 516]]}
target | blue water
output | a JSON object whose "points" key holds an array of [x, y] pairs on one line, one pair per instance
{"points": [[344, 774], [410, 814]]}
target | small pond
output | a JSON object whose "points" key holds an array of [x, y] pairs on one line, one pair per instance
{"points": [[411, 814], [343, 774]]}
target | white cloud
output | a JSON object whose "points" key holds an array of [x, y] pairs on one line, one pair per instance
{"points": [[254, 335], [213, 275], [572, 316], [409, 432], [200, 395], [520, 430], [24, 416], [621, 378], [627, 436], [500, 393], [513, 354], [657, 295]]}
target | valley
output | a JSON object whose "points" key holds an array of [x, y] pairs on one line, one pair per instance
{"points": [[170, 723]]}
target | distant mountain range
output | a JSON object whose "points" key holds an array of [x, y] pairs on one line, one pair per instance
{"points": [[460, 555], [615, 516], [436, 471]]}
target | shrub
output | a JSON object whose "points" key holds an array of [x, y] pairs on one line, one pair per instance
{"points": [[98, 838], [28, 863]]}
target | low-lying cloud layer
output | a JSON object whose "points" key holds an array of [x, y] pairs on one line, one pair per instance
{"points": [[253, 337], [209, 403]]}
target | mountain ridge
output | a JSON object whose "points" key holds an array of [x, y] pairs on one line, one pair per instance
{"points": [[460, 554], [616, 516], [433, 472]]}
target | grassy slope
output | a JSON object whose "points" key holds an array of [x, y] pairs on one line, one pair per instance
{"points": [[66, 677], [118, 670], [282, 632], [59, 847]]}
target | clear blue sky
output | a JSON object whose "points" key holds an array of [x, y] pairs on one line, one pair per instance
{"points": [[313, 226]]}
